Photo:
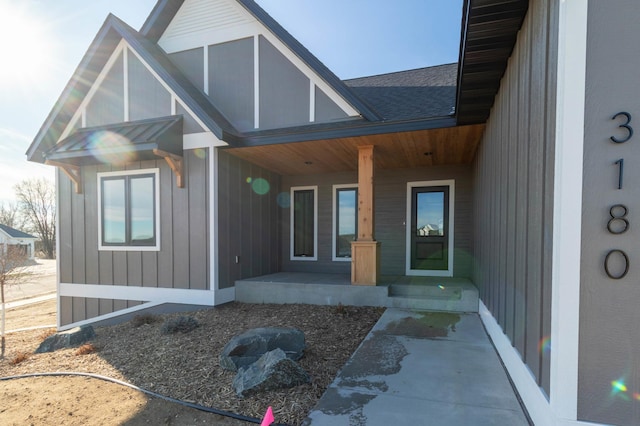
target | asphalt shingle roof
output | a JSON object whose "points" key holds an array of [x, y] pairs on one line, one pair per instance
{"points": [[14, 233], [414, 94]]}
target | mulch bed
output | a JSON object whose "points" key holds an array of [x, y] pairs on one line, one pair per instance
{"points": [[185, 365]]}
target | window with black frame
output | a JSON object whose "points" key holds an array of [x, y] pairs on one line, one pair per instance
{"points": [[128, 210], [303, 207], [346, 220]]}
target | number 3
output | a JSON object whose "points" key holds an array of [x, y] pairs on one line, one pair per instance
{"points": [[625, 126]]}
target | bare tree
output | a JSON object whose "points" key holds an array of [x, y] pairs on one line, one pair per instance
{"points": [[12, 271], [37, 200], [10, 216]]}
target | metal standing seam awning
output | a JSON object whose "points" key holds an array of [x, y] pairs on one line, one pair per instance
{"points": [[121, 143]]}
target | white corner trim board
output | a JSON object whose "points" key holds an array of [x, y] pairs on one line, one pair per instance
{"points": [[532, 396], [567, 199]]}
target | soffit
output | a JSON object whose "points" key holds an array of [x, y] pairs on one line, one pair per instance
{"points": [[423, 148], [489, 32]]}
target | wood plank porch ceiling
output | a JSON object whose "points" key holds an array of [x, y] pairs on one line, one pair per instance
{"points": [[424, 148]]}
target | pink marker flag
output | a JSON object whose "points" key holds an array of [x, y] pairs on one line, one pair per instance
{"points": [[268, 418]]}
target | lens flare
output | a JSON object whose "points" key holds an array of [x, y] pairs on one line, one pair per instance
{"points": [[260, 186], [200, 153], [618, 388], [544, 346], [284, 200], [248, 180], [111, 148], [441, 287]]}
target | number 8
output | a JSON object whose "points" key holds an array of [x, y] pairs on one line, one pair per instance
{"points": [[615, 218]]}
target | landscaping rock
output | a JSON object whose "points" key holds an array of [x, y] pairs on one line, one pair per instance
{"points": [[246, 348], [272, 371], [67, 339]]}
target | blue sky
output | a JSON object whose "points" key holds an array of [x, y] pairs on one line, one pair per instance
{"points": [[43, 41]]}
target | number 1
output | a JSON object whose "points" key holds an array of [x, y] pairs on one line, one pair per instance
{"points": [[620, 163]]}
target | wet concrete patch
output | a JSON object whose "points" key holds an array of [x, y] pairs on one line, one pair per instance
{"points": [[337, 402], [369, 385], [379, 356], [426, 325]]}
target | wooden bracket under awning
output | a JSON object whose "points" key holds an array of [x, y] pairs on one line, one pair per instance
{"points": [[175, 162], [72, 171]]}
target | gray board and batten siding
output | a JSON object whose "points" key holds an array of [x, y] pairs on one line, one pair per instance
{"points": [[513, 193], [609, 343], [147, 97], [390, 218], [284, 90], [107, 104], [248, 220], [183, 259]]}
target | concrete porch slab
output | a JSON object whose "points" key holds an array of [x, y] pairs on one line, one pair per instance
{"points": [[422, 293]]}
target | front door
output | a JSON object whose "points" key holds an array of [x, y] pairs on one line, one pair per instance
{"points": [[429, 232]]}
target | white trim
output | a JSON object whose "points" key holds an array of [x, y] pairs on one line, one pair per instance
{"points": [[201, 140], [451, 183], [565, 292], [101, 175], [532, 396], [213, 223], [312, 102], [174, 106], [315, 222], [109, 315], [58, 313], [334, 221], [205, 66], [149, 294], [256, 81], [225, 295], [125, 80]]}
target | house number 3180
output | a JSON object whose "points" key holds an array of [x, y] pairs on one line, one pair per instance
{"points": [[618, 222]]}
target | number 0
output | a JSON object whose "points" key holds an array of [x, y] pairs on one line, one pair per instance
{"points": [[626, 264]]}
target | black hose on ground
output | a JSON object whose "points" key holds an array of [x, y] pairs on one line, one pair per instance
{"points": [[145, 391]]}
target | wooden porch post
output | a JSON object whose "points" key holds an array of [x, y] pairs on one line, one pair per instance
{"points": [[365, 251]]}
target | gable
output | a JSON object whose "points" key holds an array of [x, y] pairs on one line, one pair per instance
{"points": [[100, 91], [233, 50], [127, 89], [201, 16]]}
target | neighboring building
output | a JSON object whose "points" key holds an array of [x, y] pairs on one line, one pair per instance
{"points": [[11, 238], [211, 147]]}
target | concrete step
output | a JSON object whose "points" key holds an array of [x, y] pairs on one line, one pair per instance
{"points": [[449, 295], [419, 293]]}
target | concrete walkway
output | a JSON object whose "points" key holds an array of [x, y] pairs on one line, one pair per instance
{"points": [[421, 368]]}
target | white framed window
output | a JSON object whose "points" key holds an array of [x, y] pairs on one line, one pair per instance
{"points": [[128, 210], [345, 220], [304, 223], [430, 228]]}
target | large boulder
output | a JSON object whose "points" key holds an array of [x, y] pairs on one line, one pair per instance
{"points": [[246, 348], [272, 371], [67, 339]]}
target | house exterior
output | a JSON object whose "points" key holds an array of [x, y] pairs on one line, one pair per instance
{"points": [[11, 238], [210, 146]]}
